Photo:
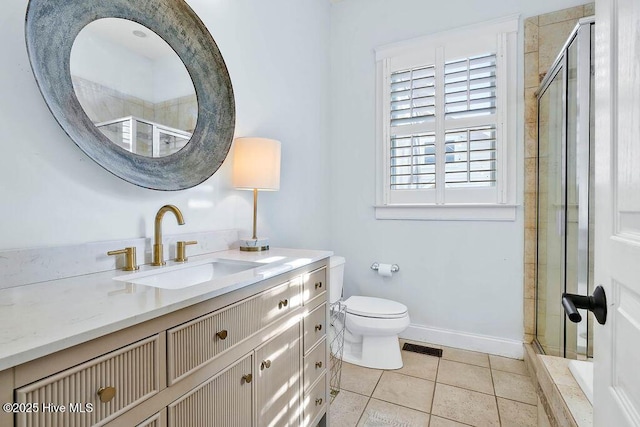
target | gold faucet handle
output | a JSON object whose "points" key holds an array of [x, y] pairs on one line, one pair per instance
{"points": [[181, 250], [129, 258]]}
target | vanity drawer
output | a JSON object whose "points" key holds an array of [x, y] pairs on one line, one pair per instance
{"points": [[314, 402], [314, 284], [279, 301], [315, 364], [96, 391], [315, 326], [195, 343]]}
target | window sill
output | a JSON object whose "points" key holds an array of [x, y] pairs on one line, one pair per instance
{"points": [[451, 212]]}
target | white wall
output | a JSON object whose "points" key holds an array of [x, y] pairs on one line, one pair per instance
{"points": [[465, 277], [277, 54]]}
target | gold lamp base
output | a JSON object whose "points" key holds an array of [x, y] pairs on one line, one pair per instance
{"points": [[254, 245]]}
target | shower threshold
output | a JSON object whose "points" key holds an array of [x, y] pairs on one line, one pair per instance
{"points": [[582, 371]]}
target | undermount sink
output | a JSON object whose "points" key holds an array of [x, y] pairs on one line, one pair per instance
{"points": [[189, 274]]}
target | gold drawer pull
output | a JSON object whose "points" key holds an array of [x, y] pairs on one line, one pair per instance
{"points": [[318, 285], [222, 334], [247, 378], [319, 401], [265, 364], [318, 327], [283, 303], [106, 394], [318, 365]]}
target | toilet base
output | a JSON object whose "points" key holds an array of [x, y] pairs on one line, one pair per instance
{"points": [[377, 352]]}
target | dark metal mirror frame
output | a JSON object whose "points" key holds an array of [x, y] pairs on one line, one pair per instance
{"points": [[51, 28]]}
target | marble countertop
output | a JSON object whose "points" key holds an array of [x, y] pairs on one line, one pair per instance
{"points": [[42, 318]]}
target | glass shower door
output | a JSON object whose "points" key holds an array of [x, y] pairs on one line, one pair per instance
{"points": [[565, 196], [551, 221]]}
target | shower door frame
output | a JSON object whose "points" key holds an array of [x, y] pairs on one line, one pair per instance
{"points": [[582, 35]]}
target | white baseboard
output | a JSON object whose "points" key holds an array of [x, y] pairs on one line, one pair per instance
{"points": [[482, 343]]}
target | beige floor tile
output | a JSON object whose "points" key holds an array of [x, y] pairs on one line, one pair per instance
{"points": [[443, 422], [462, 375], [347, 408], [465, 406], [516, 414], [508, 365], [514, 387], [404, 390], [419, 365], [465, 356], [358, 379], [379, 413]]}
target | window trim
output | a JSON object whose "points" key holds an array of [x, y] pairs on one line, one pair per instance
{"points": [[414, 52]]}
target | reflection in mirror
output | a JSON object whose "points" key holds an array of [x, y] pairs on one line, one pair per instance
{"points": [[133, 87]]}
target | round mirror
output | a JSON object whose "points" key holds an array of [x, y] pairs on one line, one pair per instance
{"points": [[190, 145], [134, 87]]}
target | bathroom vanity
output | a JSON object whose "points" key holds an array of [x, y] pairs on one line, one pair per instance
{"points": [[244, 349]]}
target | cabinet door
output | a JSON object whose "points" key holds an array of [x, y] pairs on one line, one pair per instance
{"points": [[278, 382], [223, 401]]}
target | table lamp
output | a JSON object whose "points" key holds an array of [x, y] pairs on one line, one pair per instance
{"points": [[256, 166]]}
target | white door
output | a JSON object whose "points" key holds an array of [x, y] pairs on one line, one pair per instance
{"points": [[617, 200]]}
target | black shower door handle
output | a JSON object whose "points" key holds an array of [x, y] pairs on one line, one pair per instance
{"points": [[597, 303]]}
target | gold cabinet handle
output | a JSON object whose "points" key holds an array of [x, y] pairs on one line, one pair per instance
{"points": [[318, 285], [318, 327], [318, 365], [130, 263], [222, 334], [319, 401], [283, 303], [265, 364], [181, 250], [106, 394], [247, 378]]}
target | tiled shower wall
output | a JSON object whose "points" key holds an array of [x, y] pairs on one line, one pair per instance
{"points": [[544, 36], [102, 103]]}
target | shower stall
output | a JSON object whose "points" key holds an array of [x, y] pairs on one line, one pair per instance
{"points": [[565, 195]]}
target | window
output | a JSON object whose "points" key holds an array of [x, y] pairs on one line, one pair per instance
{"points": [[446, 131]]}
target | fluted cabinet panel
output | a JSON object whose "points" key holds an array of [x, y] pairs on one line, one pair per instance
{"points": [[278, 383], [158, 420], [72, 397], [223, 401], [197, 342]]}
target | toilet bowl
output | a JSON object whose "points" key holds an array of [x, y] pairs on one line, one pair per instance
{"points": [[371, 325]]}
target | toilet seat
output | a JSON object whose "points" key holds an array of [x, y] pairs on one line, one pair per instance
{"points": [[375, 307]]}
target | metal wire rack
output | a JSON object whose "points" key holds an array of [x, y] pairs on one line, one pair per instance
{"points": [[338, 312]]}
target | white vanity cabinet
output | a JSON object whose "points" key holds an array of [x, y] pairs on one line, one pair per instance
{"points": [[256, 356]]}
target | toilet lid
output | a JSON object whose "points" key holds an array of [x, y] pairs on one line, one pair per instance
{"points": [[375, 307]]}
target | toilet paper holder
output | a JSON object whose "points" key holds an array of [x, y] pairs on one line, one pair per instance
{"points": [[394, 267]]}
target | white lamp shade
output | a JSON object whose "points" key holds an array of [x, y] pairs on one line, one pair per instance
{"points": [[256, 164]]}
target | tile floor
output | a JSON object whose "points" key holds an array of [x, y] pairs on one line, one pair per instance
{"points": [[461, 388]]}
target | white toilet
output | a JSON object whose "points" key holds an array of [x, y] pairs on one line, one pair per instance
{"points": [[372, 325]]}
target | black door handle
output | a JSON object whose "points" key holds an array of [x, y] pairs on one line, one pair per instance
{"points": [[597, 303]]}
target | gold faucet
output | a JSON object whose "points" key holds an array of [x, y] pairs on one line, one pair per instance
{"points": [[157, 244]]}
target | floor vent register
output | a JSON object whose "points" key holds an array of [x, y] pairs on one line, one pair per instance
{"points": [[422, 349]]}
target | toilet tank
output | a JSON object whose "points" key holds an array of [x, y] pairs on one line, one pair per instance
{"points": [[336, 276]]}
